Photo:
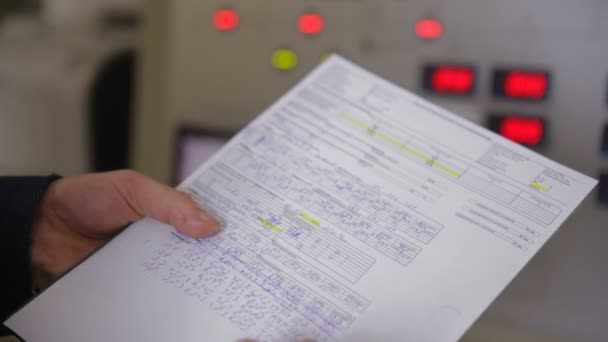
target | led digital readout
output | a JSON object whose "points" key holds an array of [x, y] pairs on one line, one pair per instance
{"points": [[449, 79], [526, 130], [532, 85]]}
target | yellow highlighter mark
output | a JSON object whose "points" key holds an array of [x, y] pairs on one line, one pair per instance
{"points": [[394, 142], [448, 170], [356, 122], [270, 225], [539, 186], [310, 219]]}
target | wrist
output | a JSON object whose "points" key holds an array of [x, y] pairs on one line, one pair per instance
{"points": [[42, 234]]}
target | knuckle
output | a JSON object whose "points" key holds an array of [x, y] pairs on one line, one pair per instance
{"points": [[128, 178], [127, 175]]}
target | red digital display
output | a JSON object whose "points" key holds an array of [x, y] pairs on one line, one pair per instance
{"points": [[226, 20], [449, 79], [531, 85], [525, 130], [521, 84], [429, 28], [311, 23]]}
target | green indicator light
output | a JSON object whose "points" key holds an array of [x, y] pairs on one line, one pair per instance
{"points": [[284, 59]]}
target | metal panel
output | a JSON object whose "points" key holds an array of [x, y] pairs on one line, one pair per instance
{"points": [[221, 80]]}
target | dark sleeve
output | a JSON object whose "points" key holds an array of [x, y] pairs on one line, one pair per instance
{"points": [[19, 197]]}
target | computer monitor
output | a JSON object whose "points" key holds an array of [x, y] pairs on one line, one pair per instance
{"points": [[193, 147]]}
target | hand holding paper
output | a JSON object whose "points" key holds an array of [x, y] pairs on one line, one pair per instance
{"points": [[353, 209], [78, 214]]}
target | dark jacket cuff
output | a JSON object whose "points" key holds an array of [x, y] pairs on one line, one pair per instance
{"points": [[19, 198]]}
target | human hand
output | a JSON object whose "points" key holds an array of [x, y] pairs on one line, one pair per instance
{"points": [[78, 214]]}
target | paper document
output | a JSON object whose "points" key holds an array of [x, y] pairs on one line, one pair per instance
{"points": [[353, 210]]}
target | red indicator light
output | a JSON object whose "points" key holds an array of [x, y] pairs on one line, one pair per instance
{"points": [[429, 28], [226, 20], [311, 23], [526, 131], [449, 79]]}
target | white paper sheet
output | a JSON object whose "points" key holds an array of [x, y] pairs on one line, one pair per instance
{"points": [[353, 210]]}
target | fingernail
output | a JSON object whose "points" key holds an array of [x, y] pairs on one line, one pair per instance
{"points": [[211, 222], [201, 226]]}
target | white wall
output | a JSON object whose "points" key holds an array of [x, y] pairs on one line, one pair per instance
{"points": [[66, 12]]}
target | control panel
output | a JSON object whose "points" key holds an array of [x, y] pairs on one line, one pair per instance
{"points": [[534, 72]]}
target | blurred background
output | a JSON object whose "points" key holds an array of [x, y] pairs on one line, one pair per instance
{"points": [[159, 85]]}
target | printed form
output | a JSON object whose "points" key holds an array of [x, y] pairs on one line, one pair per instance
{"points": [[353, 210]]}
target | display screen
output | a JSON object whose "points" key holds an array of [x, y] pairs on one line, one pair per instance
{"points": [[517, 84], [194, 147], [446, 79], [526, 130]]}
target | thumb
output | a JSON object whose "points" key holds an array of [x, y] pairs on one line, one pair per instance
{"points": [[150, 198]]}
